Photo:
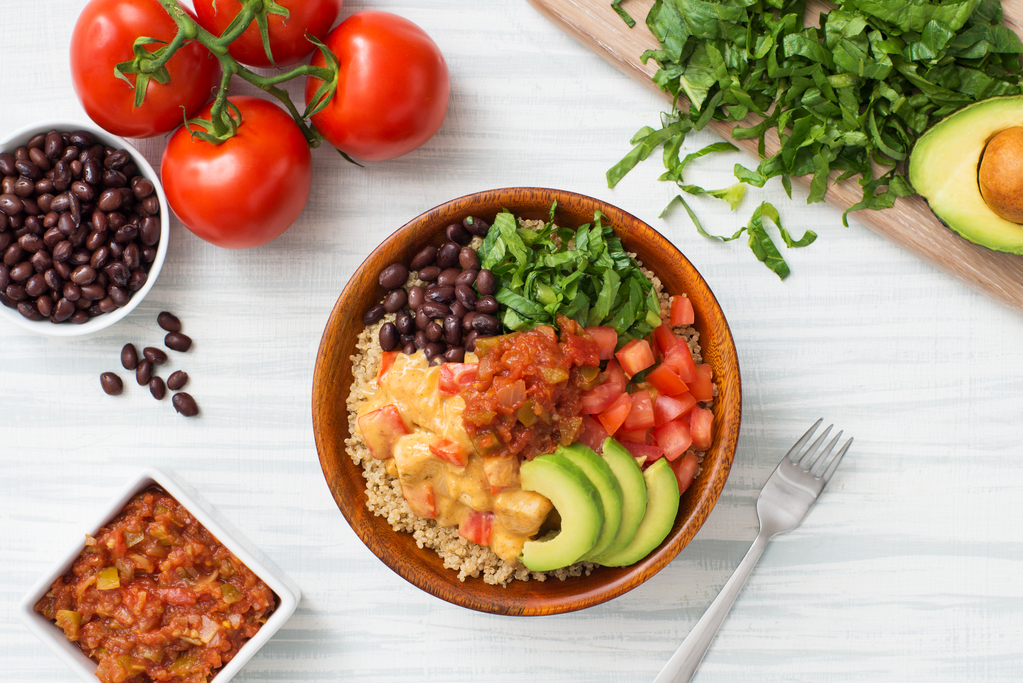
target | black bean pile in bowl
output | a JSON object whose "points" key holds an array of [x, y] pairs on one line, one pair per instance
{"points": [[446, 305]]}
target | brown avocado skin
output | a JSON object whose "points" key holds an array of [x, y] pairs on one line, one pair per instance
{"points": [[944, 168], [1001, 174]]}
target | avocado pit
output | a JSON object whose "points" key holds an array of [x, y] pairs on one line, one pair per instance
{"points": [[1000, 174]]}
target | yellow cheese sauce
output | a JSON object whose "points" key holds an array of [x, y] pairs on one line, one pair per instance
{"points": [[417, 429]]}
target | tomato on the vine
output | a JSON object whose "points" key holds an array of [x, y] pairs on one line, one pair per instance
{"points": [[103, 37], [247, 190], [393, 87], [288, 43]]}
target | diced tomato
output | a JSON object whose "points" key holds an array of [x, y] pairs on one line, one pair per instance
{"points": [[641, 450], [502, 471], [685, 469], [381, 429], [666, 381], [681, 312], [421, 499], [593, 434], [702, 387], [639, 435], [701, 426], [456, 376], [607, 340], [664, 338], [668, 408], [614, 415], [598, 398], [475, 526], [635, 357], [182, 597], [641, 415], [680, 359], [674, 438], [386, 361], [614, 375], [450, 451]]}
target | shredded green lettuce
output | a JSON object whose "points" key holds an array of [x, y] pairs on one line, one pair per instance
{"points": [[848, 97]]}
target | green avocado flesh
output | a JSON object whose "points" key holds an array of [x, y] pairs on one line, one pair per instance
{"points": [[598, 472], [634, 496], [578, 503], [943, 169], [661, 508]]}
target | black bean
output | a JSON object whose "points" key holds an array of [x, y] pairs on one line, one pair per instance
{"points": [[466, 296], [119, 295], [488, 305], [409, 348], [416, 297], [434, 309], [455, 354], [395, 300], [433, 350], [468, 259], [444, 295], [393, 276], [477, 226], [470, 341], [111, 383], [452, 329], [154, 355], [72, 292], [35, 286], [447, 255], [371, 316], [421, 340], [79, 317], [434, 332], [63, 310], [406, 339], [448, 276], [429, 273], [137, 280], [100, 257], [185, 404], [168, 322], [11, 204], [116, 159], [23, 188], [404, 322], [142, 187], [42, 261], [426, 257], [176, 341], [53, 145], [466, 277], [388, 337], [157, 388], [150, 231], [22, 271], [467, 320], [486, 324], [118, 273], [422, 320], [5, 276], [44, 305], [28, 169], [456, 233], [486, 283], [177, 379], [129, 357], [83, 275], [458, 310], [53, 280], [7, 164], [143, 372]]}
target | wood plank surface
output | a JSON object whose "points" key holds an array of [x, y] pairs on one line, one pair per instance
{"points": [[909, 223]]}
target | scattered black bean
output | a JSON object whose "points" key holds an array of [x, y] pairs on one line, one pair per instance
{"points": [[111, 383], [129, 357], [177, 379], [157, 388], [143, 372], [176, 341], [154, 355], [185, 404], [373, 314], [168, 321], [393, 276]]}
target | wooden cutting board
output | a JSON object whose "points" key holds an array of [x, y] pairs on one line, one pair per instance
{"points": [[909, 223]]}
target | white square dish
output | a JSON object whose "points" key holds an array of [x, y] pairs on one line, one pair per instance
{"points": [[287, 592]]}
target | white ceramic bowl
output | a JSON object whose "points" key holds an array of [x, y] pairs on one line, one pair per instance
{"points": [[287, 591], [45, 327]]}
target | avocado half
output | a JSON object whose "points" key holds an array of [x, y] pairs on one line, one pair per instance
{"points": [[943, 169]]}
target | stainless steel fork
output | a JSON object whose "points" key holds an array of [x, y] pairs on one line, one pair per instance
{"points": [[787, 496]]}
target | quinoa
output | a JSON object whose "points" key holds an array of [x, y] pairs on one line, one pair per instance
{"points": [[383, 492]]}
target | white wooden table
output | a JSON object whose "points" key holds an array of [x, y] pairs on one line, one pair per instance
{"points": [[909, 569]]}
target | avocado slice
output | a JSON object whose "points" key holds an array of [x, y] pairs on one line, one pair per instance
{"points": [[578, 503], [943, 169], [662, 505], [634, 496], [598, 472]]}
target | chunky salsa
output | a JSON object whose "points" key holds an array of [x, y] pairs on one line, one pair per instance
{"points": [[156, 597]]}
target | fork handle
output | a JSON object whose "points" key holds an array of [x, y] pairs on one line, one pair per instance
{"points": [[682, 665]]}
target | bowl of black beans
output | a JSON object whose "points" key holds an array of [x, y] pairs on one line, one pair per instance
{"points": [[83, 228]]}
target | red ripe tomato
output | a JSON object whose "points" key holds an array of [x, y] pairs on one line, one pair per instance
{"points": [[392, 93], [246, 191], [593, 434], [103, 37], [606, 339], [287, 38], [635, 356], [685, 470]]}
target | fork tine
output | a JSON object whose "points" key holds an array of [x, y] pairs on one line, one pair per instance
{"points": [[794, 451], [807, 458], [819, 462], [834, 463]]}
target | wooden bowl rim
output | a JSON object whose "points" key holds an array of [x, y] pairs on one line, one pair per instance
{"points": [[520, 599]]}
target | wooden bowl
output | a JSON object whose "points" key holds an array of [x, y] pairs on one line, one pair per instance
{"points": [[332, 379]]}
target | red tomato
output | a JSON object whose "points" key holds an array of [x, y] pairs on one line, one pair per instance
{"points": [[666, 381], [665, 338], [475, 527], [702, 387], [680, 359], [681, 312], [103, 37], [641, 414], [674, 438], [685, 469], [287, 38], [614, 375], [386, 361], [597, 399], [649, 452], [422, 499], [380, 430], [392, 92], [668, 408], [606, 338], [593, 434], [456, 376], [637, 436], [449, 451], [246, 191], [614, 415], [501, 471], [635, 356], [701, 424]]}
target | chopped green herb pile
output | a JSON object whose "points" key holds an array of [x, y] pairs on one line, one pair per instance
{"points": [[859, 87], [584, 274]]}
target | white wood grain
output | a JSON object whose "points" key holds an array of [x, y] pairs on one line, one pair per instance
{"points": [[907, 571]]}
